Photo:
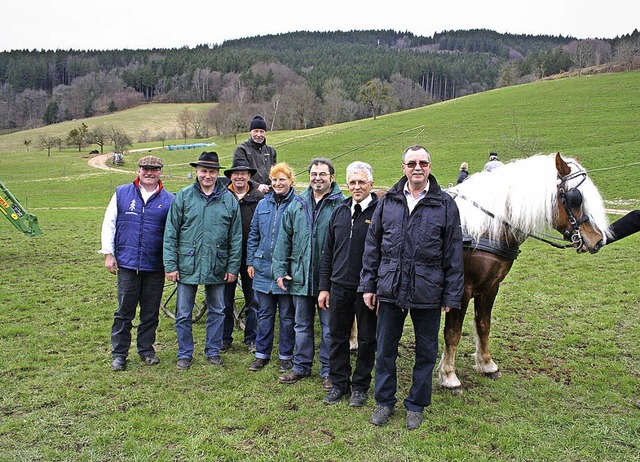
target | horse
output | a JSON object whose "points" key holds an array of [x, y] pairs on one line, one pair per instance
{"points": [[499, 210]]}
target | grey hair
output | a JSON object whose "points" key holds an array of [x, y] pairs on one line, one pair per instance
{"points": [[358, 166], [415, 147]]}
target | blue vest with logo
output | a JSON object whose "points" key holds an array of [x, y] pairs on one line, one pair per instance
{"points": [[140, 228]]}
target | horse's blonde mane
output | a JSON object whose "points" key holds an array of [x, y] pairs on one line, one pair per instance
{"points": [[522, 193]]}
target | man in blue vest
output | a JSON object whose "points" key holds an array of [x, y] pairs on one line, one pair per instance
{"points": [[132, 234]]}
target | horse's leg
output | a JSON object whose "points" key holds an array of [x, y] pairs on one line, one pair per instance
{"points": [[483, 304], [452, 333]]}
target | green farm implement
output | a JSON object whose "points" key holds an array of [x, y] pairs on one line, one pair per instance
{"points": [[16, 214]]}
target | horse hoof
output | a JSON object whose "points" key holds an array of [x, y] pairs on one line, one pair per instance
{"points": [[492, 375], [455, 391]]}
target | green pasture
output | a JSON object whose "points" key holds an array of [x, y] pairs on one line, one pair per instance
{"points": [[565, 332]]}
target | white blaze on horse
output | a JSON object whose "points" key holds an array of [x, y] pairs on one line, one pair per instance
{"points": [[499, 210]]}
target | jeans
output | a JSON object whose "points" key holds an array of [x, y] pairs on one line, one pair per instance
{"points": [[268, 304], [426, 324], [305, 342], [144, 288], [186, 295], [250, 309], [345, 304]]}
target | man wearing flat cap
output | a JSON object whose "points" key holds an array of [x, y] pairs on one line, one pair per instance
{"points": [[257, 154], [132, 234], [202, 246], [247, 194]]}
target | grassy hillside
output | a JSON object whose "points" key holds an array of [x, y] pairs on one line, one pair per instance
{"points": [[565, 327]]}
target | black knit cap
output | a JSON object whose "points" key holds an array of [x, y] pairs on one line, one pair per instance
{"points": [[258, 122], [208, 160]]}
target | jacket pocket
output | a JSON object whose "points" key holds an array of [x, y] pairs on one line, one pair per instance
{"points": [[428, 284], [187, 260], [221, 263], [297, 272], [387, 281]]}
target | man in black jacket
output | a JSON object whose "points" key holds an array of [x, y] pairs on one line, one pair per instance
{"points": [[247, 194], [339, 277], [412, 264], [257, 154]]}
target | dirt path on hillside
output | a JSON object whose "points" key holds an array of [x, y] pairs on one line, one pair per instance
{"points": [[101, 161]]}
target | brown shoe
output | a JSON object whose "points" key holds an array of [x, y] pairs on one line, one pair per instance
{"points": [[291, 377]]}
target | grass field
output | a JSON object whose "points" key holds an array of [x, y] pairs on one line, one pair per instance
{"points": [[565, 327]]}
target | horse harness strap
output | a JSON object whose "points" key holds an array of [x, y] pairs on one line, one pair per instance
{"points": [[502, 249]]}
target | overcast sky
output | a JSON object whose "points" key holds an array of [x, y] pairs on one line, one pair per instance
{"points": [[135, 24]]}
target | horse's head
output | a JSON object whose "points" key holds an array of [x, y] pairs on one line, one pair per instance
{"points": [[580, 213]]}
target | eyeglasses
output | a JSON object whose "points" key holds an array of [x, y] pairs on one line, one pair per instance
{"points": [[318, 174], [413, 163]]}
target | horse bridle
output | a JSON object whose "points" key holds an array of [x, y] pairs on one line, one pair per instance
{"points": [[572, 199]]}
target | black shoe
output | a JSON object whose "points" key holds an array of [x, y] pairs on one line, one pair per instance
{"points": [[214, 360], [327, 384], [358, 398], [119, 363], [414, 419], [285, 365], [183, 364], [291, 377], [225, 347], [258, 364], [150, 360], [252, 347], [381, 414], [334, 395]]}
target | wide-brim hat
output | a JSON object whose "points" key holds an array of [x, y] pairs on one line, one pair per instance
{"points": [[208, 160], [240, 166]]}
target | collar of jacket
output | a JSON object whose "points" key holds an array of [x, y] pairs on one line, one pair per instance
{"points": [[218, 190], [434, 194], [258, 146]]}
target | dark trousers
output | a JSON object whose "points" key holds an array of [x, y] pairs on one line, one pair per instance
{"points": [[136, 288], [250, 309], [426, 325], [345, 304]]}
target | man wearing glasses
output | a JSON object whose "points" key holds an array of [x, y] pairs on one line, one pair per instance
{"points": [[412, 264], [296, 265], [132, 233]]}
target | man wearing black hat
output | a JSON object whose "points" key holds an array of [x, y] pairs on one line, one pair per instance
{"points": [[132, 233], [247, 194], [257, 154], [202, 246]]}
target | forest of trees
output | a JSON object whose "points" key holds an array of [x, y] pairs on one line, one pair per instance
{"points": [[296, 80]]}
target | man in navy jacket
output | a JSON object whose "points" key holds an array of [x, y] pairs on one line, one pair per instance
{"points": [[338, 283], [132, 233], [412, 264]]}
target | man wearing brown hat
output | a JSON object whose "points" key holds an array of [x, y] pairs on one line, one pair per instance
{"points": [[202, 246], [132, 235], [257, 154], [247, 194]]}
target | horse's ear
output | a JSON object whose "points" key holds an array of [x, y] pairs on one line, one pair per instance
{"points": [[561, 166]]}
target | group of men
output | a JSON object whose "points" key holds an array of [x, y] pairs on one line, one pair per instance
{"points": [[366, 258]]}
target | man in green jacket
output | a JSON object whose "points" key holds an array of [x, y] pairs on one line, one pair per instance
{"points": [[202, 246], [296, 265]]}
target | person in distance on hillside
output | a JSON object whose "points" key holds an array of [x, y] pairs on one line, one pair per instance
{"points": [[132, 233], [202, 246], [247, 194], [412, 264], [464, 172], [257, 154], [493, 163], [339, 278]]}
